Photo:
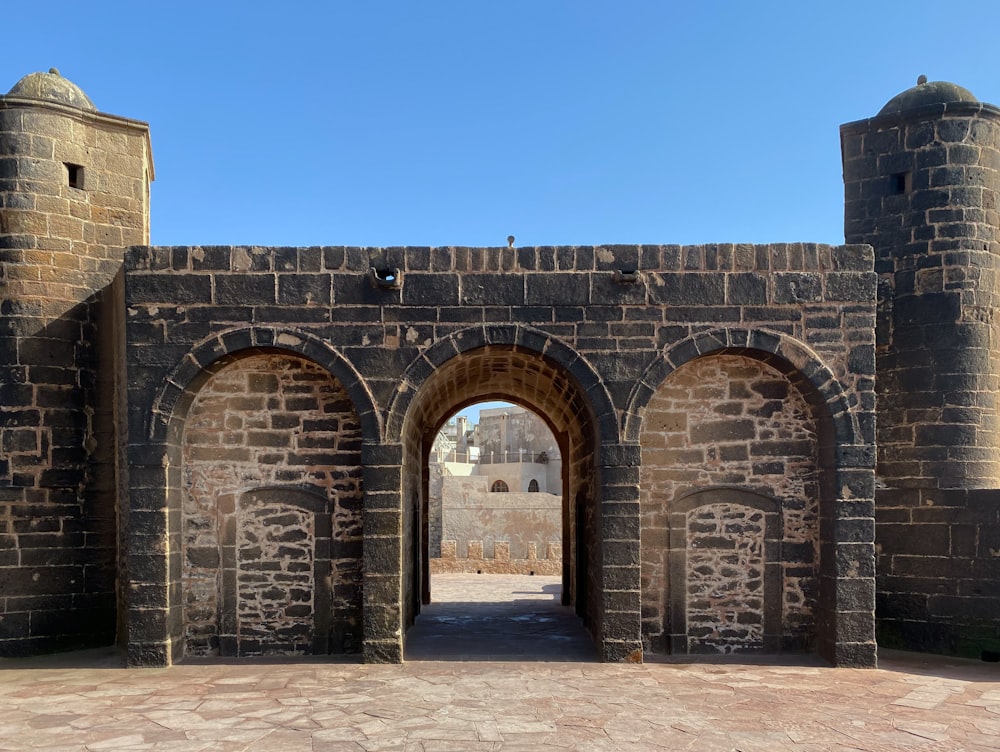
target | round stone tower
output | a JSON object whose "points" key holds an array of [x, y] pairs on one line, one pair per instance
{"points": [[921, 186], [74, 192]]}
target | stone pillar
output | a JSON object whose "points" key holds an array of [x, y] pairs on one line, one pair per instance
{"points": [[621, 628], [383, 553]]}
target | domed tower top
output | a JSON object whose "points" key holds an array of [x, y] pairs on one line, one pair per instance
{"points": [[919, 187], [927, 93], [52, 87]]}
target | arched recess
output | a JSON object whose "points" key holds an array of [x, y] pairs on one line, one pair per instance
{"points": [[726, 575], [296, 609], [743, 412], [248, 411], [529, 368]]}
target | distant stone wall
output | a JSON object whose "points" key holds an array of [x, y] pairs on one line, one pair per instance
{"points": [[516, 521], [478, 561], [513, 431]]}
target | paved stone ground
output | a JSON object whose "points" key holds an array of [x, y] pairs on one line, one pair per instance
{"points": [[504, 696]]}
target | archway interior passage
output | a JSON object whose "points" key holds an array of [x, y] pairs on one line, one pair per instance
{"points": [[540, 399], [495, 530]]}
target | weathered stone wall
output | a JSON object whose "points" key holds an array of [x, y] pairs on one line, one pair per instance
{"points": [[725, 578], [939, 570], [471, 512], [498, 560], [271, 421], [275, 607], [61, 244], [467, 480], [729, 421], [583, 335]]}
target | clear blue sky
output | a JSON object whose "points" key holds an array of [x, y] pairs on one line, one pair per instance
{"points": [[458, 123]]}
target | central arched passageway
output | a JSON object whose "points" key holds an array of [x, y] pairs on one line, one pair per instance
{"points": [[522, 377]]}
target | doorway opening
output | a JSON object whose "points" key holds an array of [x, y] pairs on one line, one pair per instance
{"points": [[495, 541], [536, 430]]}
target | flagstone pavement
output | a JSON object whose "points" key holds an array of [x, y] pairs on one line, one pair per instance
{"points": [[530, 683]]}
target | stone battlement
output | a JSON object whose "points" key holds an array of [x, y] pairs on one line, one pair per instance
{"points": [[500, 563]]}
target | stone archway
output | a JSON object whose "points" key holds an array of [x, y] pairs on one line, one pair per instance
{"points": [[497, 367], [158, 623], [809, 454], [271, 523], [729, 421], [524, 378]]}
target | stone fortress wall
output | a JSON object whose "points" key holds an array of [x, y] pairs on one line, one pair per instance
{"points": [[187, 316], [232, 452]]}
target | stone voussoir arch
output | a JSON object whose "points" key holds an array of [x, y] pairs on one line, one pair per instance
{"points": [[526, 338], [184, 379], [691, 498], [777, 349]]}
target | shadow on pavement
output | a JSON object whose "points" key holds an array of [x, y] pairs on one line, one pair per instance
{"points": [[515, 630]]}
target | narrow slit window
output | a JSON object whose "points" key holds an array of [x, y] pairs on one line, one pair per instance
{"points": [[74, 173], [900, 183]]}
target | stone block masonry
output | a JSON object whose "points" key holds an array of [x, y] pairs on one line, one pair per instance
{"points": [[922, 186], [939, 570], [571, 332]]}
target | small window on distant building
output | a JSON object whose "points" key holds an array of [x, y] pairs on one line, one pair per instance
{"points": [[533, 486], [74, 174], [499, 487]]}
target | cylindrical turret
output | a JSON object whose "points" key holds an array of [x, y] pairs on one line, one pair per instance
{"points": [[921, 182], [74, 192]]}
